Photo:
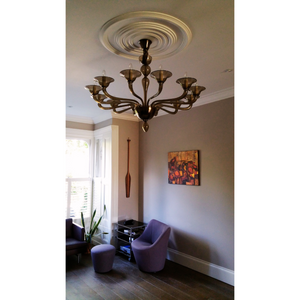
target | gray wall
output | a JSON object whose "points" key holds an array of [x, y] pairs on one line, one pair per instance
{"points": [[201, 217]]}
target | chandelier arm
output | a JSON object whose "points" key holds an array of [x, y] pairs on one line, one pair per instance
{"points": [[104, 108], [130, 86], [168, 111], [103, 100], [189, 102], [119, 112], [189, 105], [122, 100], [132, 106], [110, 102], [185, 108], [182, 102], [113, 105], [178, 106], [160, 88], [170, 100], [175, 109]]}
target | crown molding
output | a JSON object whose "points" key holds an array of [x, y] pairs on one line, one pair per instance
{"points": [[213, 97], [125, 116], [79, 119], [210, 98], [111, 115]]}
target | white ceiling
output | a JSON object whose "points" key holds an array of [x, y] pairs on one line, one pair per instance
{"points": [[209, 54]]}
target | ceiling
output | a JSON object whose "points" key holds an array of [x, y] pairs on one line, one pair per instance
{"points": [[209, 56]]}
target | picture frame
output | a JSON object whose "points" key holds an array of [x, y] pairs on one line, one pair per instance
{"points": [[184, 168]]}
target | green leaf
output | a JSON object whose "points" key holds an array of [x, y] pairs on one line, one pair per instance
{"points": [[96, 225], [82, 221], [93, 231], [94, 214], [92, 219]]}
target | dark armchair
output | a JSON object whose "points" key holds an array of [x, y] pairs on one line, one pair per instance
{"points": [[75, 243], [150, 249]]}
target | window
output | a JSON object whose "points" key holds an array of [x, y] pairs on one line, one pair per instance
{"points": [[77, 158], [92, 176], [78, 179]]}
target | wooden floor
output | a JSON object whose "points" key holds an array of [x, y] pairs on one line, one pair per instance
{"points": [[126, 281]]}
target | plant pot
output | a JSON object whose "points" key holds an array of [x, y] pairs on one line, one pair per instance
{"points": [[88, 248]]}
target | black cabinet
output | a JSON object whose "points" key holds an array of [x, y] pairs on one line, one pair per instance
{"points": [[125, 233]]}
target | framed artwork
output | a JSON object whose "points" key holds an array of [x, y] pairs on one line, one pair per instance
{"points": [[183, 167]]}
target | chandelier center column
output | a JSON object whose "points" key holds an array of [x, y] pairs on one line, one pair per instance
{"points": [[145, 59]]}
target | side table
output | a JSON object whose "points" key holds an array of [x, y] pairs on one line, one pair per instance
{"points": [[125, 234]]}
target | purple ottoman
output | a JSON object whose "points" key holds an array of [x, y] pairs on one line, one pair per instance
{"points": [[103, 257]]}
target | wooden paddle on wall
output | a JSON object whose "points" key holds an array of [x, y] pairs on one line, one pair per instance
{"points": [[128, 177]]}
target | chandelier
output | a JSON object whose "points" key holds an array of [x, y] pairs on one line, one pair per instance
{"points": [[143, 107]]}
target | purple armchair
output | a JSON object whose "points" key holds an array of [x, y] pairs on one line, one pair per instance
{"points": [[150, 249], [75, 243]]}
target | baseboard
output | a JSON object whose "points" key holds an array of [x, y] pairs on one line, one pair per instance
{"points": [[196, 264], [202, 266]]}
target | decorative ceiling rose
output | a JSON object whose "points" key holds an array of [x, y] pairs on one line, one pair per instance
{"points": [[122, 34]]}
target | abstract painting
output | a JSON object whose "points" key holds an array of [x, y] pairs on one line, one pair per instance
{"points": [[183, 167]]}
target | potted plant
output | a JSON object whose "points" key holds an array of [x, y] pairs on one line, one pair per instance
{"points": [[93, 227]]}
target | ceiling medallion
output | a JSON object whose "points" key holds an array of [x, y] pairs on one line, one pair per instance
{"points": [[122, 34]]}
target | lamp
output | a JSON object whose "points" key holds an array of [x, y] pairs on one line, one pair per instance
{"points": [[144, 108]]}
